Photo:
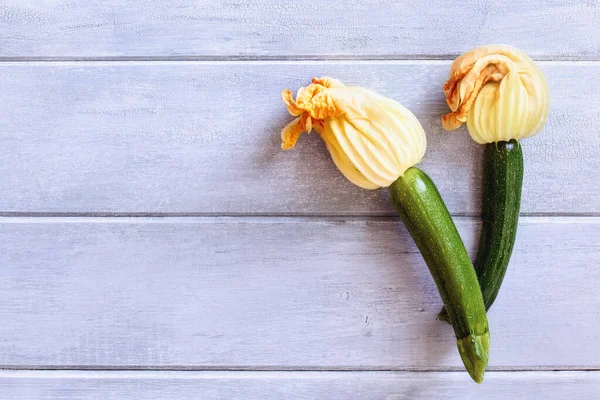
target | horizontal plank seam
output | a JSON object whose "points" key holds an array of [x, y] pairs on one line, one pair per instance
{"points": [[271, 219], [182, 368], [239, 375], [175, 215], [266, 60]]}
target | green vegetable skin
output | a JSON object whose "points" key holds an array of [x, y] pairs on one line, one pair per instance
{"points": [[428, 221], [502, 182]]}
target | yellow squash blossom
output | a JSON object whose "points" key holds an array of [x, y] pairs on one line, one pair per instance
{"points": [[372, 139], [499, 92]]}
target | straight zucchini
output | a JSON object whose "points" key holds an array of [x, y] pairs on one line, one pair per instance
{"points": [[503, 97], [502, 182]]}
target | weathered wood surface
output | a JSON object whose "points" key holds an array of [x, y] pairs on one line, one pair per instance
{"points": [[203, 137], [241, 385], [299, 275], [300, 28], [279, 293]]}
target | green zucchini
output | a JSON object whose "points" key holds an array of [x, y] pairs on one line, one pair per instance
{"points": [[424, 213], [502, 182]]}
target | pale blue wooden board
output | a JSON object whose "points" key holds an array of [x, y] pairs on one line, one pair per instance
{"points": [[548, 29], [80, 385], [204, 137], [305, 293]]}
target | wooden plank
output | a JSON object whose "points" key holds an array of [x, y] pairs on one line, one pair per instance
{"points": [[203, 137], [182, 385], [258, 28], [279, 293]]}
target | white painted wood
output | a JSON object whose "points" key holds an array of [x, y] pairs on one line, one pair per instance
{"points": [[183, 385], [203, 137], [264, 293], [279, 293], [80, 28]]}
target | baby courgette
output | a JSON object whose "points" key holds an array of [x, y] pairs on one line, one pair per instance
{"points": [[425, 216], [503, 97], [375, 142], [502, 182]]}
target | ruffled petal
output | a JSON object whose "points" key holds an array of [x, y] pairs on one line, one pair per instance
{"points": [[292, 131]]}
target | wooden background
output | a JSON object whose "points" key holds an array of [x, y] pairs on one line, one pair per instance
{"points": [[155, 242]]}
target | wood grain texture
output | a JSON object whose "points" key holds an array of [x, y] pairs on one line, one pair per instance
{"points": [[300, 28], [203, 137], [326, 287], [279, 293], [80, 385]]}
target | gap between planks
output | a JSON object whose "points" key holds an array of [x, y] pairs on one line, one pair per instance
{"points": [[258, 218], [265, 60], [259, 369]]}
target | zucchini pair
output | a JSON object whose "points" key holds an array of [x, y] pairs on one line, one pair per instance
{"points": [[375, 142]]}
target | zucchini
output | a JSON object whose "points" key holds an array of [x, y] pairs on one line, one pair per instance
{"points": [[424, 213], [502, 182]]}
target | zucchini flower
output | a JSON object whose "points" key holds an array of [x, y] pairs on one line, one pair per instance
{"points": [[503, 97], [375, 142], [372, 139], [499, 92]]}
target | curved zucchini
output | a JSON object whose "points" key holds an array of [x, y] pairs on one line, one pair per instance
{"points": [[424, 213], [502, 182]]}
